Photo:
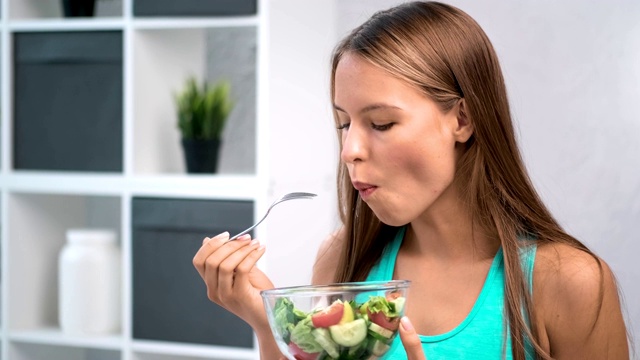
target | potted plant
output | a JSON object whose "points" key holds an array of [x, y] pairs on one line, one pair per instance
{"points": [[78, 8], [203, 110]]}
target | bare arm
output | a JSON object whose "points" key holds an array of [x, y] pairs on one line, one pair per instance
{"points": [[234, 282], [324, 269], [582, 319], [268, 347], [323, 273]]}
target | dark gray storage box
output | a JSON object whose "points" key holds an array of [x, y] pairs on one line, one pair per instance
{"points": [[194, 7], [169, 298], [68, 101]]}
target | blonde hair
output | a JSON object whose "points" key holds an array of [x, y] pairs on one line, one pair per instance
{"points": [[444, 52]]}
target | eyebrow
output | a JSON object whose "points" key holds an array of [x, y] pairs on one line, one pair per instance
{"points": [[372, 107]]}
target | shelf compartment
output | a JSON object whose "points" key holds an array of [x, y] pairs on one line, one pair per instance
{"points": [[19, 350], [158, 350], [37, 224], [68, 100], [169, 298], [177, 54], [46, 9]]}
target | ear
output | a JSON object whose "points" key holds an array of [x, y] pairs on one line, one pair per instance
{"points": [[464, 128]]}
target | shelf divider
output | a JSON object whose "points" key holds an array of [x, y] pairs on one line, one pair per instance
{"points": [[201, 351], [193, 23], [54, 336], [66, 24], [240, 187]]}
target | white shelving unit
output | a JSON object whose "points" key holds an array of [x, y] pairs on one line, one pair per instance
{"points": [[293, 141]]}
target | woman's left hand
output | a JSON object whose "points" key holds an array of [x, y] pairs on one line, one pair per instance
{"points": [[411, 340]]}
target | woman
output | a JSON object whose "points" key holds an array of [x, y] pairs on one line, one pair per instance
{"points": [[432, 189]]}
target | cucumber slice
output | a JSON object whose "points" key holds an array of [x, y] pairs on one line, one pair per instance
{"points": [[375, 336], [349, 334], [379, 348], [323, 338], [386, 333], [399, 304]]}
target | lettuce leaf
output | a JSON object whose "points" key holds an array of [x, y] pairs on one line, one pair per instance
{"points": [[284, 317], [301, 336], [376, 304]]}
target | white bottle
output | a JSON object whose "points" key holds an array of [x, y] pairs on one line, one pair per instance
{"points": [[89, 283]]}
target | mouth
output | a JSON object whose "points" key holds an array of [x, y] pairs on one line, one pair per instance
{"points": [[365, 190]]}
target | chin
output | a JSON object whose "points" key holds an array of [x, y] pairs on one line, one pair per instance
{"points": [[391, 218], [395, 223]]}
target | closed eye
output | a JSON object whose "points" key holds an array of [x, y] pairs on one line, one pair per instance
{"points": [[343, 126], [382, 127]]}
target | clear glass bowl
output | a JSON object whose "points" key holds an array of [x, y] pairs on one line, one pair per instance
{"points": [[350, 321]]}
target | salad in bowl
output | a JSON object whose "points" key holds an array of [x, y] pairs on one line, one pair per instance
{"points": [[347, 321]]}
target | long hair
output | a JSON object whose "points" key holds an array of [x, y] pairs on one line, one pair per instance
{"points": [[443, 52]]}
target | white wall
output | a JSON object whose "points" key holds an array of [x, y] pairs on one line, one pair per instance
{"points": [[573, 75], [302, 139]]}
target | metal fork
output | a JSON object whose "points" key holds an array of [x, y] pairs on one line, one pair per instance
{"points": [[289, 196]]}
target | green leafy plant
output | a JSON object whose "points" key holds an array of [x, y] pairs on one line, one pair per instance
{"points": [[203, 109]]}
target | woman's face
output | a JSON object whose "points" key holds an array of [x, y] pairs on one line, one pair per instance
{"points": [[399, 147]]}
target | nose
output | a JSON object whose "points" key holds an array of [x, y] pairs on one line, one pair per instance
{"points": [[354, 145]]}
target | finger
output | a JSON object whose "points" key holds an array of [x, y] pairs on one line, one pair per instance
{"points": [[209, 245], [411, 340], [215, 244], [227, 270], [245, 267], [212, 263]]}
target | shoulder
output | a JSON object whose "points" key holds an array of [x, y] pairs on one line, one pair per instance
{"points": [[328, 257], [568, 271], [576, 298]]}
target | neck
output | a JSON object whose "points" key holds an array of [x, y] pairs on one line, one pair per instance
{"points": [[446, 232]]}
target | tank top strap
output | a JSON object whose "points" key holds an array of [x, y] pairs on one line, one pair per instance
{"points": [[527, 259], [383, 269]]}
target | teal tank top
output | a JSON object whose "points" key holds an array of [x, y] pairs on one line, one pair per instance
{"points": [[481, 334]]}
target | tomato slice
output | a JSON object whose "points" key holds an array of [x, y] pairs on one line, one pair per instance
{"points": [[300, 354], [329, 316], [380, 319]]}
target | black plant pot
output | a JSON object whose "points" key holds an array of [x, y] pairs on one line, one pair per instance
{"points": [[201, 155], [78, 8]]}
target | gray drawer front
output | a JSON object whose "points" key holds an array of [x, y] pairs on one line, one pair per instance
{"points": [[169, 297], [194, 7], [68, 101]]}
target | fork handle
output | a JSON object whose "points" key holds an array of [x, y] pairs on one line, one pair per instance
{"points": [[300, 195], [240, 234], [247, 230]]}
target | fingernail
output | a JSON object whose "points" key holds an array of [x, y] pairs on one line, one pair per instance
{"points": [[406, 324], [253, 242], [224, 234], [261, 247], [244, 237]]}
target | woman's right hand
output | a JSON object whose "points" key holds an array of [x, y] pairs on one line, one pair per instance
{"points": [[410, 340], [233, 280]]}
